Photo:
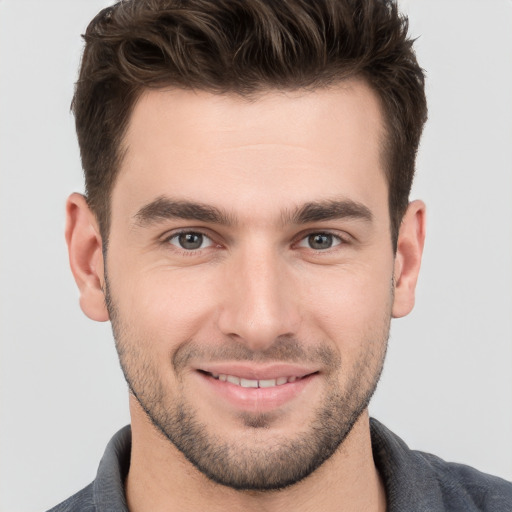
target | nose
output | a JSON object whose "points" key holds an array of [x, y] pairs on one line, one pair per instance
{"points": [[260, 300]]}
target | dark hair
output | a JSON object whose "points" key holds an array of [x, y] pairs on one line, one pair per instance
{"points": [[244, 47]]}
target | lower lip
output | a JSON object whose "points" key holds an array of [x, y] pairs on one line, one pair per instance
{"points": [[258, 399]]}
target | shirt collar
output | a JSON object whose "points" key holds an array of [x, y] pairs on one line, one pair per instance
{"points": [[410, 482]]}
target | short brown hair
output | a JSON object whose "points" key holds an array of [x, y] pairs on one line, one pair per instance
{"points": [[244, 47]]}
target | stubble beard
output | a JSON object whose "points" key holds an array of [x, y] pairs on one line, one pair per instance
{"points": [[254, 463]]}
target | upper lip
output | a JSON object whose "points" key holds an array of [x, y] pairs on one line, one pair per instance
{"points": [[258, 372]]}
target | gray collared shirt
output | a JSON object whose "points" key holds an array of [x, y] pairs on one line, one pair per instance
{"points": [[414, 481]]}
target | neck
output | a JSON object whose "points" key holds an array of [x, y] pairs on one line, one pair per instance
{"points": [[162, 480]]}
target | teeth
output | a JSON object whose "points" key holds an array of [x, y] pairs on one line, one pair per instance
{"points": [[247, 383], [233, 380], [253, 383]]}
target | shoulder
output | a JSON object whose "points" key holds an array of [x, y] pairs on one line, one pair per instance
{"points": [[106, 492], [486, 492], [423, 482], [82, 501]]}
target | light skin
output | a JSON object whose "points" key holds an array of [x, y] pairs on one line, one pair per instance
{"points": [[250, 239]]}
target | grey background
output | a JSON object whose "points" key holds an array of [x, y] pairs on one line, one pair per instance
{"points": [[447, 383]]}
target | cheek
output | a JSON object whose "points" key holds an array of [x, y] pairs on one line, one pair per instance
{"points": [[353, 306], [164, 308]]}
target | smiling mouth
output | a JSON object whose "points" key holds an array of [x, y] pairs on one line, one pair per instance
{"points": [[255, 383]]}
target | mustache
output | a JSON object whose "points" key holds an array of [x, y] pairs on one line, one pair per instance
{"points": [[286, 349]]}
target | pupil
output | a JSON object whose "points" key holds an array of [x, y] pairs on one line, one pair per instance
{"points": [[320, 241], [191, 240]]}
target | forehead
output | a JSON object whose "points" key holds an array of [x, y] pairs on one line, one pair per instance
{"points": [[294, 146]]}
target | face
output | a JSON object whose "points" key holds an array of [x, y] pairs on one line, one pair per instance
{"points": [[250, 274]]}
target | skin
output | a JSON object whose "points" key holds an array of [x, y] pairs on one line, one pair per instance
{"points": [[256, 286]]}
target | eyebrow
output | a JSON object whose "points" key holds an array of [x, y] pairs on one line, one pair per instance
{"points": [[166, 208], [328, 210]]}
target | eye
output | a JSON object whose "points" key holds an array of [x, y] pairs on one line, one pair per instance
{"points": [[190, 240], [320, 241]]}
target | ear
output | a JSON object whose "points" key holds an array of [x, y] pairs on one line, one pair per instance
{"points": [[86, 256], [411, 239]]}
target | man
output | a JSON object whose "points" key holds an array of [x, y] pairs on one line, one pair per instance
{"points": [[248, 233]]}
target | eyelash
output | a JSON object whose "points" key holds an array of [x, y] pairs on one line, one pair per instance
{"points": [[336, 239], [302, 238], [176, 235]]}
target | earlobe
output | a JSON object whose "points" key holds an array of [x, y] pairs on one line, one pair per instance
{"points": [[86, 256], [411, 239]]}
